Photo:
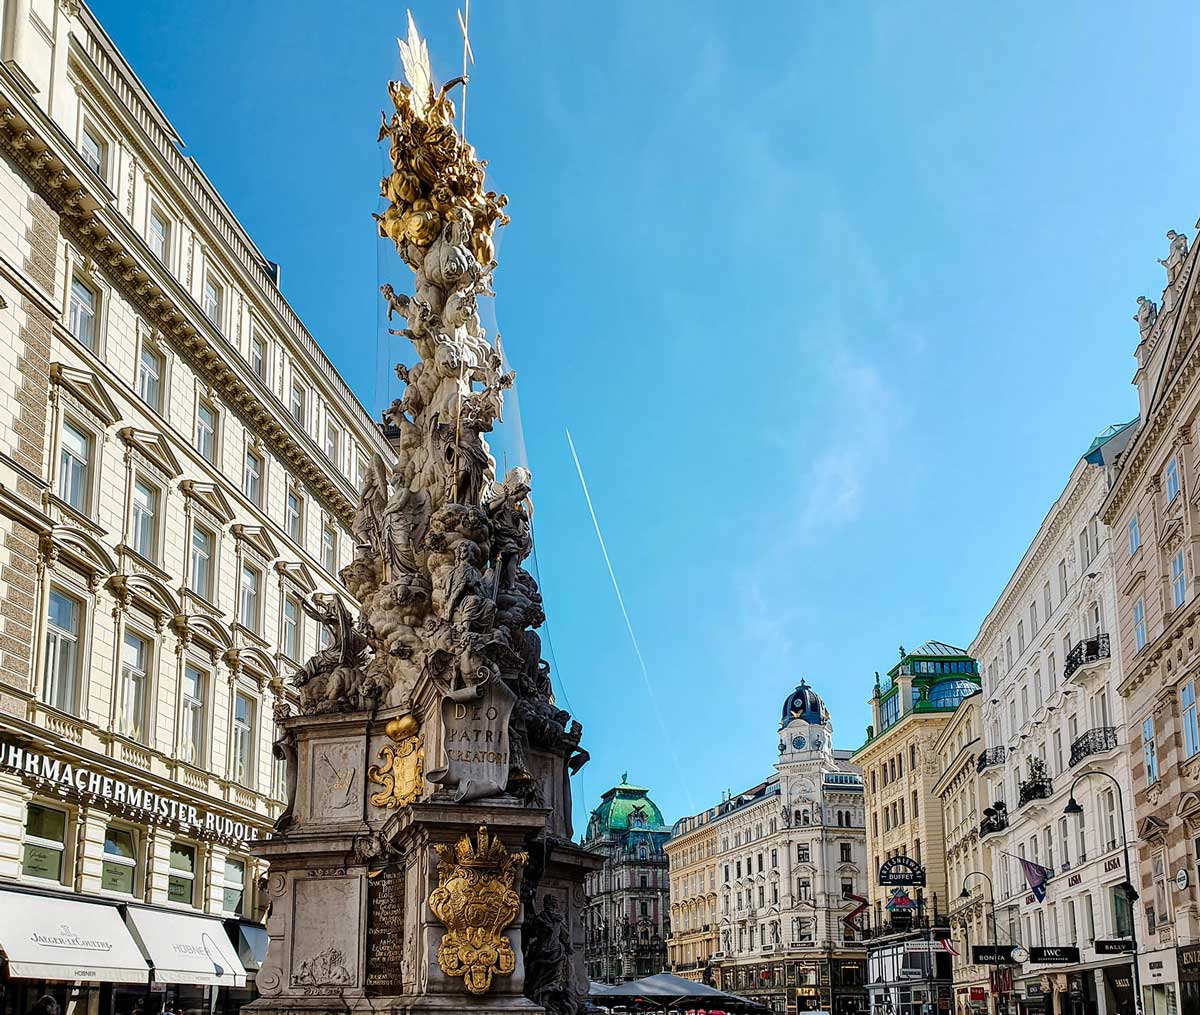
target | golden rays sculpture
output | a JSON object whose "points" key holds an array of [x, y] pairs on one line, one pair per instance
{"points": [[436, 177], [476, 899]]}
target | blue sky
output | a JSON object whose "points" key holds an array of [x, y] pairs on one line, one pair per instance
{"points": [[831, 298]]}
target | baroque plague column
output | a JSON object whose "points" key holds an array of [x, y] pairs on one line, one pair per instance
{"points": [[426, 852]]}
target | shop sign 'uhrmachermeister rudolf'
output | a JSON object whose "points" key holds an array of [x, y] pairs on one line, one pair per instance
{"points": [[156, 807]]}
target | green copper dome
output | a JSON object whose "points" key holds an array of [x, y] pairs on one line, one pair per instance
{"points": [[625, 807]]}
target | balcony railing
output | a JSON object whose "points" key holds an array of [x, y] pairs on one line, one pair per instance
{"points": [[1095, 741], [992, 756], [1089, 650], [1036, 787], [995, 819]]}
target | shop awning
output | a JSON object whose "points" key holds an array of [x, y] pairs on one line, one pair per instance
{"points": [[186, 948], [250, 940], [48, 938]]}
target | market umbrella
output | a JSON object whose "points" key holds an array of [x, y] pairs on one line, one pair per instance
{"points": [[665, 990]]}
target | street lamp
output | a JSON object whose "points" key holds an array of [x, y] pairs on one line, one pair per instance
{"points": [[964, 894], [1130, 892]]}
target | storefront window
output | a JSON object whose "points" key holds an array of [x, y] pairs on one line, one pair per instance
{"points": [[45, 839], [120, 861], [235, 887], [181, 885]]}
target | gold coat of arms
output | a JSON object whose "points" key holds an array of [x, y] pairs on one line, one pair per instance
{"points": [[402, 773], [477, 901]]}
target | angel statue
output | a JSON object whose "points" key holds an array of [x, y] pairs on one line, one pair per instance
{"points": [[368, 520], [511, 513]]}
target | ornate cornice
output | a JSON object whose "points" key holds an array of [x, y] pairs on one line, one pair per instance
{"points": [[51, 167], [1177, 372]]}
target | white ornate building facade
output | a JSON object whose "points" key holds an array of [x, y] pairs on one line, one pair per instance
{"points": [[760, 884], [1054, 728], [178, 466]]}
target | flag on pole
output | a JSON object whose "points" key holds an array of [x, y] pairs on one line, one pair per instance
{"points": [[947, 946], [1036, 876]]}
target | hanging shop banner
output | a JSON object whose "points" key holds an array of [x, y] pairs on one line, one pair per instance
{"points": [[902, 870], [1054, 954]]}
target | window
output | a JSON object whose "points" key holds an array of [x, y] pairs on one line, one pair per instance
{"points": [[1062, 579], [844, 848], [81, 314], [61, 676], [1187, 709], [1008, 652], [206, 431], [333, 443], [135, 669], [181, 881], [150, 371], [279, 778], [1033, 619], [295, 517], [1172, 479], [120, 861], [45, 843], [202, 562], [1178, 579], [1047, 600], [74, 468], [144, 532], [158, 230], [1058, 752], [1020, 636], [248, 599], [243, 740], [329, 547], [235, 887], [1051, 672], [1139, 623], [192, 724], [291, 627], [258, 355], [802, 852], [1135, 537], [214, 297], [1085, 549], [299, 402], [252, 479], [1158, 871], [1110, 819], [94, 150], [1149, 750]]}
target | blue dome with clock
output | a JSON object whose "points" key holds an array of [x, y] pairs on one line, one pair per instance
{"points": [[804, 703]]}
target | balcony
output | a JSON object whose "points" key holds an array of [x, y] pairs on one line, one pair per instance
{"points": [[995, 819], [992, 756], [1095, 741], [1090, 650], [1036, 787]]}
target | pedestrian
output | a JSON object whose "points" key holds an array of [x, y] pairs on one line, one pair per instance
{"points": [[44, 1005]]}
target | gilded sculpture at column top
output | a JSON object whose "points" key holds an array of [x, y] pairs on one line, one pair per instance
{"points": [[477, 900], [436, 176], [402, 774]]}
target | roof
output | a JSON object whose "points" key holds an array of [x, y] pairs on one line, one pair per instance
{"points": [[1097, 454], [626, 806], [937, 648]]}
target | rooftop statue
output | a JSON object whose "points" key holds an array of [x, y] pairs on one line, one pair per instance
{"points": [[1147, 314], [1176, 255]]}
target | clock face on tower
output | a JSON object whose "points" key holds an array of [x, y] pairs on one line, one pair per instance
{"points": [[798, 743]]}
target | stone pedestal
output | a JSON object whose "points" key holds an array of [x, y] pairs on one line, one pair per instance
{"points": [[350, 924]]}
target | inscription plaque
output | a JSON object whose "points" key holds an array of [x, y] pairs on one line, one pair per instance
{"points": [[475, 748], [385, 934]]}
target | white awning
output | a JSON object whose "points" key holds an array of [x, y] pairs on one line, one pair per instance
{"points": [[49, 938], [186, 948]]}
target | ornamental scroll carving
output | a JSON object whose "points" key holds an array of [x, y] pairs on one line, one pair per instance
{"points": [[477, 901], [402, 773]]}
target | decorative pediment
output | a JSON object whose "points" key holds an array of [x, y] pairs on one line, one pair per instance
{"points": [[209, 497], [82, 549], [154, 446], [207, 630], [298, 572], [86, 387], [256, 537], [147, 591], [1151, 828], [252, 661], [1188, 806]]}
